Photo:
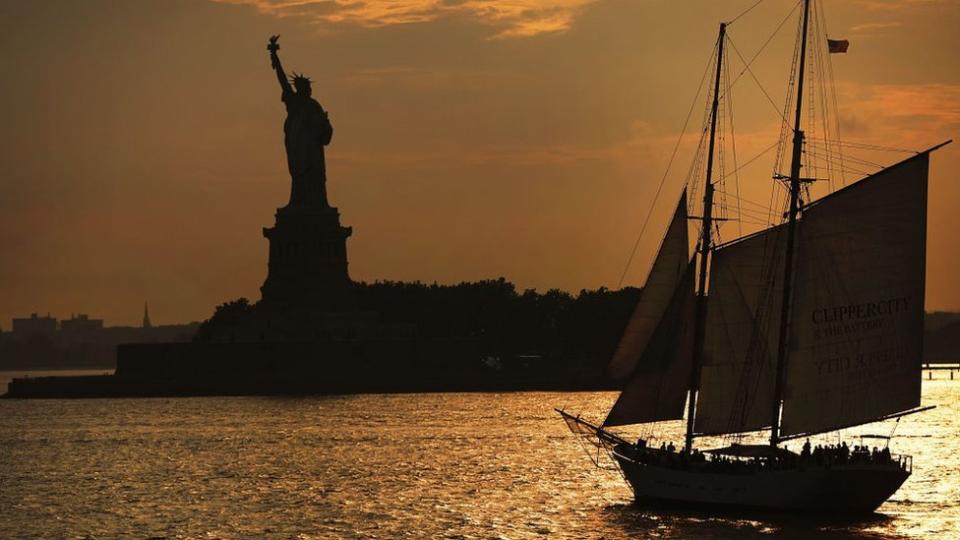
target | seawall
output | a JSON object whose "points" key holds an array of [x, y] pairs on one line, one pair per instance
{"points": [[312, 367]]}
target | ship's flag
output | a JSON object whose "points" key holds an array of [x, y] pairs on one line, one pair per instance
{"points": [[837, 45]]}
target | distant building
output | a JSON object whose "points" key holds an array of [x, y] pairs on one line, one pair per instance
{"points": [[34, 327], [80, 324], [78, 342]]}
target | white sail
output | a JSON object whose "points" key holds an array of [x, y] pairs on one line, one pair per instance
{"points": [[657, 389], [856, 332], [661, 283], [743, 317]]}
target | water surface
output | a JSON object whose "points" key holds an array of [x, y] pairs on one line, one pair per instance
{"points": [[386, 466]]}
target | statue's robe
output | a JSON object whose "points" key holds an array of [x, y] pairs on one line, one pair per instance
{"points": [[307, 130]]}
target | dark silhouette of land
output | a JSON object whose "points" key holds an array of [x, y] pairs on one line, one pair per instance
{"points": [[555, 330], [314, 330]]}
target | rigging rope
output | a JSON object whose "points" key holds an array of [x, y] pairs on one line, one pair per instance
{"points": [[833, 152], [765, 43], [733, 142], [755, 206], [833, 96], [867, 146], [756, 157], [762, 89], [748, 10], [673, 155]]}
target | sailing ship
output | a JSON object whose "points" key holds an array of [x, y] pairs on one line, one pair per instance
{"points": [[809, 326]]}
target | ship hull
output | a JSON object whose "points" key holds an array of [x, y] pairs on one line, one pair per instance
{"points": [[837, 489]]}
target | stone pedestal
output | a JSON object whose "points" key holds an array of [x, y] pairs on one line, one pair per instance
{"points": [[308, 261]]}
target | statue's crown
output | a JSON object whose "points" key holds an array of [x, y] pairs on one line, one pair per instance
{"points": [[299, 79]]}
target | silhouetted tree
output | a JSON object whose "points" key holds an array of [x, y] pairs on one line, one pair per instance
{"points": [[553, 324], [580, 331], [227, 315]]}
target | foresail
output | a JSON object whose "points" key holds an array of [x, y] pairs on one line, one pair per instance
{"points": [[661, 283], [743, 317], [657, 389], [856, 328]]}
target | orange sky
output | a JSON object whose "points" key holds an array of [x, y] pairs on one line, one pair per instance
{"points": [[142, 144]]}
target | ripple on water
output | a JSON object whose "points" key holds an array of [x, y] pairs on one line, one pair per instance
{"points": [[398, 466]]}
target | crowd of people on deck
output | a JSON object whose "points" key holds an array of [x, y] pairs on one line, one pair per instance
{"points": [[668, 456], [841, 454]]}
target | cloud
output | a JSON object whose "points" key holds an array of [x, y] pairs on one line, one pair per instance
{"points": [[915, 115], [508, 18], [872, 26], [896, 5]]}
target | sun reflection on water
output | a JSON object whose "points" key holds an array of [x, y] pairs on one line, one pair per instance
{"points": [[386, 466]]}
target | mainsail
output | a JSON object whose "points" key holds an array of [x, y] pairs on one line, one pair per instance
{"points": [[665, 275], [856, 332], [740, 344]]}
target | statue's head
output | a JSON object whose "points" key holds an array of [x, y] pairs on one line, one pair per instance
{"points": [[302, 84]]}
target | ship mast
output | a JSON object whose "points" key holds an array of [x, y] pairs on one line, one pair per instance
{"points": [[795, 182], [705, 248]]}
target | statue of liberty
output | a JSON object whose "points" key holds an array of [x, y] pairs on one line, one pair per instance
{"points": [[306, 130]]}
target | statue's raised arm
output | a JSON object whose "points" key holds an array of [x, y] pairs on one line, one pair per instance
{"points": [[273, 47]]}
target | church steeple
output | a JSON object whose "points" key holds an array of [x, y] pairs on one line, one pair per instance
{"points": [[146, 316]]}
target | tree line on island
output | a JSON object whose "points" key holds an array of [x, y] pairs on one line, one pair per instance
{"points": [[579, 330]]}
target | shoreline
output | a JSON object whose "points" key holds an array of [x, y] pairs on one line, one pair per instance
{"points": [[115, 386]]}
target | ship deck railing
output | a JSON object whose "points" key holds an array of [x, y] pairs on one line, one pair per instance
{"points": [[735, 465], [905, 461]]}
